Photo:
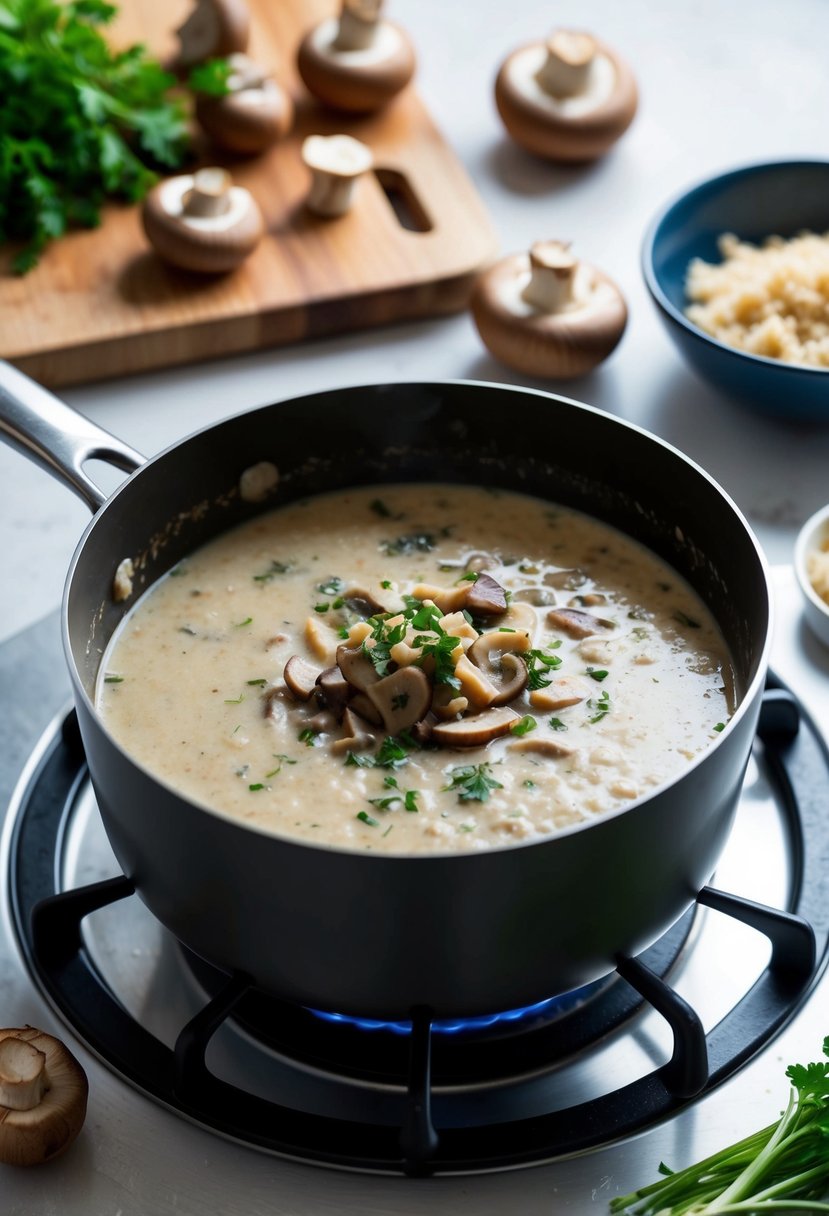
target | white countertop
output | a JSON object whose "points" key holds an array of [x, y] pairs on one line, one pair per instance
{"points": [[721, 85]]}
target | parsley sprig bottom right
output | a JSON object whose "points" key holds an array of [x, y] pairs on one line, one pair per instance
{"points": [[783, 1168]]}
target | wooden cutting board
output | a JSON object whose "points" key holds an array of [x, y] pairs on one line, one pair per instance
{"points": [[102, 304]]}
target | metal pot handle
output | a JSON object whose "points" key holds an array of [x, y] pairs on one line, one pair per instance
{"points": [[58, 438]]}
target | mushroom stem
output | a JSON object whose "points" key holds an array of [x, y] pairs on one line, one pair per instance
{"points": [[23, 1077], [552, 274], [358, 25], [336, 162], [210, 193], [566, 70]]}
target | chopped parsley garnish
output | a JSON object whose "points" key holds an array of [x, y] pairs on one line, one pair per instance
{"points": [[235, 700], [113, 679], [275, 568], [601, 706], [239, 624], [407, 797], [331, 586], [321, 607], [258, 683], [472, 782], [257, 785], [386, 584], [308, 737], [529, 785], [539, 665], [283, 759], [524, 725], [471, 577], [596, 673], [405, 546], [685, 619], [364, 817], [720, 726], [390, 754], [441, 650], [556, 724]]}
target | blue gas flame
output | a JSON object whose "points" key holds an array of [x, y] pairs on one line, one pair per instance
{"points": [[555, 1004]]}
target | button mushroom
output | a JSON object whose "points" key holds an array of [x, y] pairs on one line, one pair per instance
{"points": [[356, 737], [213, 29], [560, 693], [547, 314], [333, 690], [493, 653], [357, 62], [401, 699], [300, 678], [576, 623], [254, 113], [357, 667], [336, 163], [476, 731], [550, 748], [43, 1094], [202, 222], [568, 99], [486, 597]]}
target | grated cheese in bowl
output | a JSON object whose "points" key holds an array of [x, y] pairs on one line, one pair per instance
{"points": [[770, 300]]}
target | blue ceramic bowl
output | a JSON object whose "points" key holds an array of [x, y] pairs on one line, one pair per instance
{"points": [[779, 198]]}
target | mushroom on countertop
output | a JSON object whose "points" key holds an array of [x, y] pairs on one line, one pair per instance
{"points": [[43, 1094], [336, 163], [213, 29], [254, 113], [358, 61], [202, 221], [547, 314], [568, 99]]}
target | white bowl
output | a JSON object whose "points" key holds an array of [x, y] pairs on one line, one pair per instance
{"points": [[813, 536]]}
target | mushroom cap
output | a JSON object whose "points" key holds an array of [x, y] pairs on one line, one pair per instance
{"points": [[30, 1137], [553, 128], [342, 156], [558, 345], [356, 81], [214, 28], [208, 244], [247, 120]]}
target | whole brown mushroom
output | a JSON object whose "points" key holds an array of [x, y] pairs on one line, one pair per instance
{"points": [[547, 314], [358, 61], [213, 29], [202, 221], [568, 99], [43, 1095], [252, 115]]}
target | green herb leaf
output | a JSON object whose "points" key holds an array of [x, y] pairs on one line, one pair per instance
{"points": [[239, 624], [210, 78], [405, 546], [597, 673], [366, 818], [332, 586], [472, 782], [321, 607], [720, 726], [257, 785], [258, 683], [601, 706], [308, 737], [235, 700], [524, 725], [556, 724], [274, 569], [79, 122], [539, 664], [113, 679]]}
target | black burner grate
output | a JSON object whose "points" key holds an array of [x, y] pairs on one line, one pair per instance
{"points": [[49, 922]]}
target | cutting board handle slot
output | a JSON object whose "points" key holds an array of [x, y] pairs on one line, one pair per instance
{"points": [[403, 200]]}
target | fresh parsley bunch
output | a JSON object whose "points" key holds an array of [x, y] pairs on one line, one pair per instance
{"points": [[78, 122], [783, 1168]]}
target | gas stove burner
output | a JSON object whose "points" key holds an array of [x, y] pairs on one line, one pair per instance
{"points": [[418, 1097], [541, 1010]]}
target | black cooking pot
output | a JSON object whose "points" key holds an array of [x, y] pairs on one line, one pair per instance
{"points": [[376, 935]]}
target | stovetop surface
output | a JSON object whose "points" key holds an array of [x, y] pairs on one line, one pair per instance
{"points": [[135, 1157]]}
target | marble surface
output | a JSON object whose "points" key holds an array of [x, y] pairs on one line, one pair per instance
{"points": [[721, 85]]}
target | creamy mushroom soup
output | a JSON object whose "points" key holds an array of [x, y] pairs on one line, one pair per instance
{"points": [[417, 669]]}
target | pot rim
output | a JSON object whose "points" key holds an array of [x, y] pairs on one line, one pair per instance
{"points": [[751, 691]]}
